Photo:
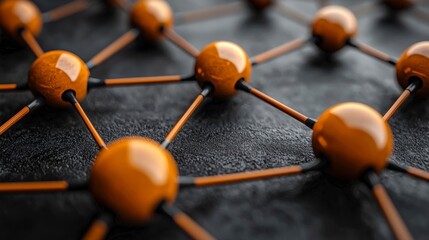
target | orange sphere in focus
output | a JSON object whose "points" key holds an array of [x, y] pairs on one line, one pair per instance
{"points": [[151, 16], [333, 26], [133, 177], [55, 72], [222, 64], [353, 138], [20, 14], [414, 64]]}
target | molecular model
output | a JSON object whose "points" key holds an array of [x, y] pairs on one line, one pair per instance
{"points": [[135, 178]]}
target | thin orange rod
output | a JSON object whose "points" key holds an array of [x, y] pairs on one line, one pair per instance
{"points": [[309, 122], [389, 210], [143, 80], [291, 112], [18, 116], [295, 16], [372, 52], [415, 172], [66, 10], [411, 89], [71, 98], [179, 125], [404, 96], [176, 129], [247, 176], [89, 125], [171, 35], [31, 41], [185, 181], [218, 11], [278, 51], [187, 224], [191, 227], [13, 120], [113, 48], [97, 231], [8, 87], [33, 186]]}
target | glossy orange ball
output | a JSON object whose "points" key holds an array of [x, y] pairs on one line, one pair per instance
{"points": [[222, 64], [353, 138], [260, 4], [20, 14], [414, 64], [133, 177], [151, 16], [333, 26], [55, 72], [399, 4]]}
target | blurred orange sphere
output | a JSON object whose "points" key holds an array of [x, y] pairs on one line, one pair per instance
{"points": [[20, 14], [333, 26]]}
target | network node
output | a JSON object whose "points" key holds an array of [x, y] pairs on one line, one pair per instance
{"points": [[133, 177], [353, 138], [260, 4], [413, 64], [55, 72], [332, 27], [136, 177], [399, 4], [151, 17], [20, 14], [222, 64]]}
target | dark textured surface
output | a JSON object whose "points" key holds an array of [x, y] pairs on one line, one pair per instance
{"points": [[222, 137]]}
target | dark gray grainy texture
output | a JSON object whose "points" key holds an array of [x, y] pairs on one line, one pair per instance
{"points": [[222, 137]]}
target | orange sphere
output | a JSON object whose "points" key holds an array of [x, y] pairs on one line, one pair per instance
{"points": [[133, 177], [399, 4], [354, 138], [151, 16], [55, 72], [413, 64], [260, 4], [333, 26], [222, 64], [20, 14]]}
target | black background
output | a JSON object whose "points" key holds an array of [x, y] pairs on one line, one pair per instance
{"points": [[222, 137]]}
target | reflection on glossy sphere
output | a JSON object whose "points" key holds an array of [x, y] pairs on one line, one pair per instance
{"points": [[133, 177], [222, 64], [151, 16], [353, 138], [55, 72], [333, 26], [20, 14], [413, 64]]}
